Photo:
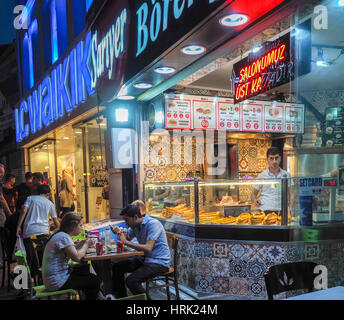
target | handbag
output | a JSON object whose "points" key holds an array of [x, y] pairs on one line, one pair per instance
{"points": [[20, 245]]}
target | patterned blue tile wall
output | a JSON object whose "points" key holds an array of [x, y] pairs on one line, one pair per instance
{"points": [[238, 268]]}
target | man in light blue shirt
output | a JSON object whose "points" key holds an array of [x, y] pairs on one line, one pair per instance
{"points": [[151, 238]]}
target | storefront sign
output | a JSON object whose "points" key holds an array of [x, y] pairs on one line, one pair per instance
{"points": [[311, 186], [60, 92], [204, 110], [228, 115], [252, 117], [274, 115], [209, 113], [178, 113], [155, 18], [260, 73], [71, 81], [106, 52]]}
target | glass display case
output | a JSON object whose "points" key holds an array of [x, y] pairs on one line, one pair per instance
{"points": [[229, 202], [219, 202]]}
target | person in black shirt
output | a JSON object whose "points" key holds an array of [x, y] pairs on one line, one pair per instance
{"points": [[5, 211], [24, 190]]}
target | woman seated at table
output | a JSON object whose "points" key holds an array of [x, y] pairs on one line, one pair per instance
{"points": [[57, 272]]}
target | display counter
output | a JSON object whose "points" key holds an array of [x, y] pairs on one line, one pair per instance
{"points": [[226, 244]]}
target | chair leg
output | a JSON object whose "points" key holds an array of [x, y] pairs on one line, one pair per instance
{"points": [[147, 288], [176, 287], [8, 275], [167, 289], [4, 264]]}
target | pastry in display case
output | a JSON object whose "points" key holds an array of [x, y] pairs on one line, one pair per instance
{"points": [[211, 202]]}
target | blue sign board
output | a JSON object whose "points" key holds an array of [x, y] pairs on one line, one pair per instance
{"points": [[72, 81]]}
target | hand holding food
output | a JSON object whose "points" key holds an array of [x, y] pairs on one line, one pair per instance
{"points": [[116, 230], [90, 243]]}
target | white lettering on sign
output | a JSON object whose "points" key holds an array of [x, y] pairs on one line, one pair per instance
{"points": [[311, 186], [71, 81], [151, 23], [108, 49]]}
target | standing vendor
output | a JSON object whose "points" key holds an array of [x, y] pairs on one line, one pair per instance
{"points": [[169, 196], [270, 197]]}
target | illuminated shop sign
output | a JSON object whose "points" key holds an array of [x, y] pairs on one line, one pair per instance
{"points": [[156, 18], [260, 73], [108, 50], [72, 81]]}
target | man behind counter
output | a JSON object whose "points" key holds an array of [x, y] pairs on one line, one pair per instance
{"points": [[270, 198], [151, 237]]}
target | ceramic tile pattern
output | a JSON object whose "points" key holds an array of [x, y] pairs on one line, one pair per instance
{"points": [[237, 268]]}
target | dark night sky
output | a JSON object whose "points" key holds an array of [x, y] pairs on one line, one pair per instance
{"points": [[7, 31]]}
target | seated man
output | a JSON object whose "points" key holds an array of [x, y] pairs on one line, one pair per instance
{"points": [[151, 238]]}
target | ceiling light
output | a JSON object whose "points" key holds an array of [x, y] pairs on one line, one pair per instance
{"points": [[341, 3], [234, 20], [122, 115], [66, 138], [165, 70], [194, 49], [125, 98], [142, 85]]}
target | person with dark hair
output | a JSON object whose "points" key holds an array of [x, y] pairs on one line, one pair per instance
{"points": [[10, 193], [56, 270], [35, 219], [66, 196], [5, 211], [24, 190], [151, 238], [37, 180], [141, 205], [270, 198]]}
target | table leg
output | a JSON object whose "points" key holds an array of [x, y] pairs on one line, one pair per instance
{"points": [[106, 276]]}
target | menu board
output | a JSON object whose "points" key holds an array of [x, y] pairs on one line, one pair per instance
{"points": [[274, 115], [294, 118], [252, 117], [228, 115], [204, 113], [209, 113], [178, 113]]}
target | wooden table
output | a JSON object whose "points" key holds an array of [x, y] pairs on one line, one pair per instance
{"points": [[104, 262], [335, 293]]}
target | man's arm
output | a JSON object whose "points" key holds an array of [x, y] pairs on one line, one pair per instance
{"points": [[162, 196], [77, 254], [254, 197], [146, 248], [56, 223], [5, 205], [22, 216]]}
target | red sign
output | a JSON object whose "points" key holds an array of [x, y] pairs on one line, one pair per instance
{"points": [[260, 73]]}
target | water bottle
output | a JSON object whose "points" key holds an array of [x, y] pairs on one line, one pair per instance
{"points": [[107, 237]]}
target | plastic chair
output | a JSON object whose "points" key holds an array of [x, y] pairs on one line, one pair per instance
{"points": [[290, 276], [171, 277], [141, 296], [39, 292], [6, 259]]}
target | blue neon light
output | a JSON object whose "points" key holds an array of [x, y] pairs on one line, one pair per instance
{"points": [[54, 39], [88, 4], [70, 82]]}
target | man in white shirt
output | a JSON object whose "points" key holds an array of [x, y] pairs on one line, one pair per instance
{"points": [[35, 215], [270, 194]]}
